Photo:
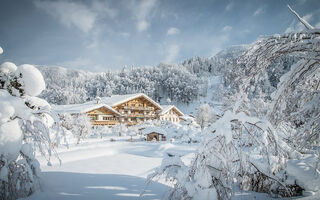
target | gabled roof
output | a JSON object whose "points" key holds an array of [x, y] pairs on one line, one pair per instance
{"points": [[187, 118], [116, 100], [166, 108], [148, 130], [81, 108]]}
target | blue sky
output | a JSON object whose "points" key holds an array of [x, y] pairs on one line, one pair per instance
{"points": [[107, 35]]}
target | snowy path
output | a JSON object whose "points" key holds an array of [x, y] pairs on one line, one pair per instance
{"points": [[105, 170]]}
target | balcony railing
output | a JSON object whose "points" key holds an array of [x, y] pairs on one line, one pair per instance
{"points": [[105, 122], [137, 108], [139, 115]]}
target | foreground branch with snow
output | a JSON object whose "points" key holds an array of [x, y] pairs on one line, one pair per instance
{"points": [[26, 124]]}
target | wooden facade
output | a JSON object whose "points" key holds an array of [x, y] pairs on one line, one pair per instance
{"points": [[137, 110], [103, 116], [170, 113], [122, 109], [156, 136]]}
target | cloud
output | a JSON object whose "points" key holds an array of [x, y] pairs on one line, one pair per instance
{"points": [[141, 11], [297, 26], [125, 34], [103, 8], [227, 28], [259, 11], [302, 1], [173, 31], [69, 13], [79, 62], [172, 53], [83, 63], [219, 42], [229, 6], [142, 25]]}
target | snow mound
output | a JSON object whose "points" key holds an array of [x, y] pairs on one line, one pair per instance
{"points": [[32, 79], [12, 106], [305, 173], [8, 67], [10, 139], [37, 102], [206, 194], [6, 111]]}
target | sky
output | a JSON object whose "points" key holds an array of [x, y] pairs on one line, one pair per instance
{"points": [[96, 35]]}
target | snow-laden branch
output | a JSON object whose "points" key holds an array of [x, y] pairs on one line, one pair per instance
{"points": [[304, 22]]}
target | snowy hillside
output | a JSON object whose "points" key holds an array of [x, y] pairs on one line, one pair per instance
{"points": [[188, 85], [161, 82]]}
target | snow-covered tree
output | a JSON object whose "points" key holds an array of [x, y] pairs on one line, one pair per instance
{"points": [[203, 116], [79, 125], [173, 81], [82, 126], [236, 148], [294, 102], [168, 101], [27, 124], [252, 152]]}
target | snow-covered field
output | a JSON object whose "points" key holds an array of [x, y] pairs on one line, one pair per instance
{"points": [[100, 169]]}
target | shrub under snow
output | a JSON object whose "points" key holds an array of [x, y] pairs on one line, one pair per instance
{"points": [[260, 155], [26, 124], [79, 125], [31, 80], [236, 147]]}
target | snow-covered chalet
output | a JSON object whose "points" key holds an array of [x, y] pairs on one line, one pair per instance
{"points": [[128, 109]]}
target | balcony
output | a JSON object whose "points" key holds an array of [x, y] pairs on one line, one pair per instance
{"points": [[113, 122], [137, 108], [135, 115]]}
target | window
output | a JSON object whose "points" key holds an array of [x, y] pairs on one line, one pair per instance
{"points": [[108, 118]]}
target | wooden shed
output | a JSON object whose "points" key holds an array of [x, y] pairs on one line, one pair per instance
{"points": [[153, 133]]}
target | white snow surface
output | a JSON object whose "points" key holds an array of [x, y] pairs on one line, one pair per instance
{"points": [[115, 100], [100, 169], [32, 79], [305, 172], [81, 108]]}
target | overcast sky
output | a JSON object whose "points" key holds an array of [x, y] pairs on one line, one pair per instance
{"points": [[106, 35]]}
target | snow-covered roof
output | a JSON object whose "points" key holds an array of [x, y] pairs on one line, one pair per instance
{"points": [[81, 108], [119, 99], [166, 108], [152, 129], [187, 118]]}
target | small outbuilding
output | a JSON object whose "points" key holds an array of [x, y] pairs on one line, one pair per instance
{"points": [[153, 133]]}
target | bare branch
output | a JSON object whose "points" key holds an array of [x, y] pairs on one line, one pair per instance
{"points": [[304, 22]]}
